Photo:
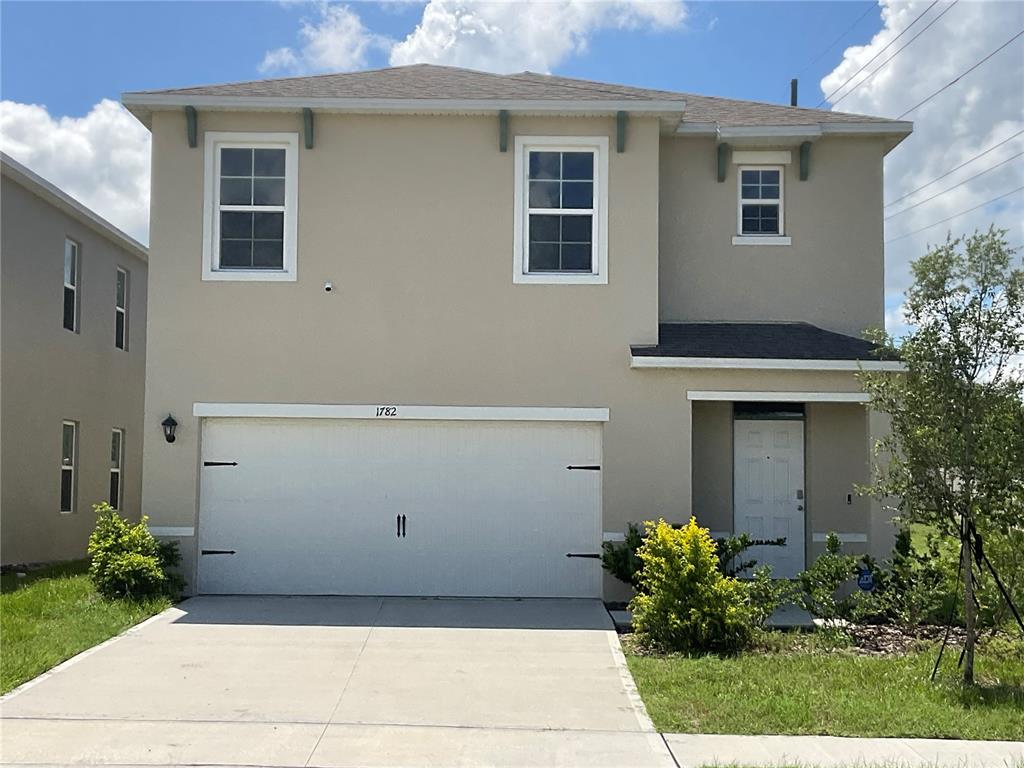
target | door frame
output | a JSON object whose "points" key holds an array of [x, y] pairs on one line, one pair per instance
{"points": [[800, 416]]}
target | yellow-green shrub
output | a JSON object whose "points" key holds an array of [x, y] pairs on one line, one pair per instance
{"points": [[685, 603]]}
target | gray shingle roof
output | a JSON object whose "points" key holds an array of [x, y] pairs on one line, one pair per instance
{"points": [[433, 82], [777, 341]]}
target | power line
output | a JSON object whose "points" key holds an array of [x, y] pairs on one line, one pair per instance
{"points": [[955, 215], [952, 170], [905, 30], [872, 6], [960, 77], [879, 68], [948, 189]]}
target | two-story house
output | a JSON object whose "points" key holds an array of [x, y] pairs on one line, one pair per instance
{"points": [[431, 331], [73, 357]]}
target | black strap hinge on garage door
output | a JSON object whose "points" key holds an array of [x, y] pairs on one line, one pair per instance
{"points": [[217, 552], [220, 463], [591, 467], [590, 555]]}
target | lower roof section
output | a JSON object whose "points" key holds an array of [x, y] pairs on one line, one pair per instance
{"points": [[768, 345]]}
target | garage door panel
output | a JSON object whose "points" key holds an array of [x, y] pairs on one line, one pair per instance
{"points": [[311, 507]]}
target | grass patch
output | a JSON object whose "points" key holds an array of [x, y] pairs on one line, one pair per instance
{"points": [[799, 686], [53, 613]]}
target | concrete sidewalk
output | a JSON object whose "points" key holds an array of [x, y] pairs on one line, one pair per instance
{"points": [[692, 750]]}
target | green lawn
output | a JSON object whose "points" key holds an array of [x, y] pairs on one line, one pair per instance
{"points": [[54, 613], [839, 693]]}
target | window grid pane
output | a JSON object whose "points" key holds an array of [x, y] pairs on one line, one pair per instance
{"points": [[252, 199], [562, 185]]}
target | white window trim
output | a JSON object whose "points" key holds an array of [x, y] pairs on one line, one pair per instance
{"points": [[119, 310], [780, 239], [214, 141], [119, 469], [520, 261], [73, 467], [73, 286]]}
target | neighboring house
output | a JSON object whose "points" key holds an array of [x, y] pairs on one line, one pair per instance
{"points": [[73, 357], [432, 331]]}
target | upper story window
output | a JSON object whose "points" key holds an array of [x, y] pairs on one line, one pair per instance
{"points": [[561, 213], [760, 209], [121, 309], [251, 206], [72, 268]]}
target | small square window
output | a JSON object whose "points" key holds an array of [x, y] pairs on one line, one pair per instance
{"points": [[760, 202]]}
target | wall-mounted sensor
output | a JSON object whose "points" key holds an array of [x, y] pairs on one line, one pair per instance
{"points": [[328, 286]]}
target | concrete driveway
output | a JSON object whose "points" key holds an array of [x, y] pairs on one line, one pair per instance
{"points": [[267, 681]]}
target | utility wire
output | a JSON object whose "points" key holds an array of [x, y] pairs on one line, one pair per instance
{"points": [[951, 170], [905, 30], [948, 189], [881, 66], [960, 77], [955, 215], [872, 6]]}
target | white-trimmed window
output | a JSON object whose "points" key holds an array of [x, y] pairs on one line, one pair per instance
{"points": [[116, 464], [72, 268], [121, 309], [251, 196], [561, 209], [68, 466], [760, 211]]}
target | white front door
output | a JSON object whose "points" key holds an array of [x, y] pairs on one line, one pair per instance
{"points": [[768, 491], [321, 506]]}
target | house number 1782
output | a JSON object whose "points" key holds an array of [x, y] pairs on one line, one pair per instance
{"points": [[387, 410]]}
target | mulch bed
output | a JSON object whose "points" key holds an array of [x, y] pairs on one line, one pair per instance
{"points": [[886, 639]]}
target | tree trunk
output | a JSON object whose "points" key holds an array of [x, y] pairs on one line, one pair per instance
{"points": [[969, 613]]}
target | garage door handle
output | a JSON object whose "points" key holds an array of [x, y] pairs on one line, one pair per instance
{"points": [[217, 552], [591, 467], [220, 463]]}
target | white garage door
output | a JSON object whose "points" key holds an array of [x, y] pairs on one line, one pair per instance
{"points": [[357, 507]]}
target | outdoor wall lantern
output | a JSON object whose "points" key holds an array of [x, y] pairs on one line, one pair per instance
{"points": [[169, 424]]}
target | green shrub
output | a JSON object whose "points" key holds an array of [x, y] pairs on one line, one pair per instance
{"points": [[126, 560], [730, 549], [820, 583], [767, 594], [620, 558], [684, 602]]}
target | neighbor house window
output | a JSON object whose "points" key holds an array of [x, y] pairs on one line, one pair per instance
{"points": [[72, 268], [251, 192], [561, 209], [68, 465], [121, 309], [760, 201], [116, 462]]}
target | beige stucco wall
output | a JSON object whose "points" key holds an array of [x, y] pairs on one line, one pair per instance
{"points": [[411, 218], [831, 275], [50, 374]]}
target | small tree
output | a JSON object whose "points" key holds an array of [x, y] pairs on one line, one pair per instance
{"points": [[955, 452]]}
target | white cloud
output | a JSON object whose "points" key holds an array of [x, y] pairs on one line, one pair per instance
{"points": [[101, 159], [336, 40], [495, 36], [981, 110], [506, 36]]}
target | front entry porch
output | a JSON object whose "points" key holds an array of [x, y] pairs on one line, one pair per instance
{"points": [[784, 468]]}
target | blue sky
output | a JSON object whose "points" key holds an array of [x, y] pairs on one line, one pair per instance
{"points": [[63, 66], [92, 50]]}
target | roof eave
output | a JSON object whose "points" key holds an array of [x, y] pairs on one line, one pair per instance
{"points": [[895, 130], [60, 199], [143, 104]]}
